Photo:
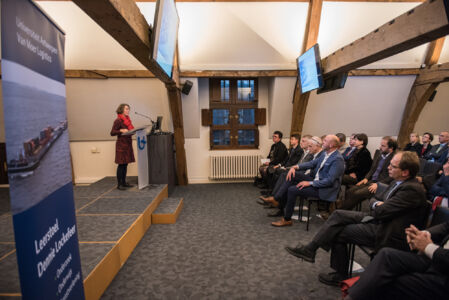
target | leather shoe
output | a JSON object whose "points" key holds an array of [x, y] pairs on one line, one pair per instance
{"points": [[333, 278], [261, 202], [282, 223], [267, 199], [275, 214], [127, 185], [121, 187], [302, 252]]}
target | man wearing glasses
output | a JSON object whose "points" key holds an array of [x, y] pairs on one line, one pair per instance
{"points": [[403, 203]]}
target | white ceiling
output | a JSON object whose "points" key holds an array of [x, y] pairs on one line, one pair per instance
{"points": [[236, 36]]}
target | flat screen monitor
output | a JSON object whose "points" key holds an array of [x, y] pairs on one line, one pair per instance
{"points": [[165, 35], [309, 70]]}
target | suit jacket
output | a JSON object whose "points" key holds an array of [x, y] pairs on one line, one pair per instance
{"points": [[359, 163], [426, 151], [406, 204], [278, 153], [330, 174], [432, 154], [294, 155], [345, 154], [440, 236], [417, 147], [383, 175], [440, 188]]}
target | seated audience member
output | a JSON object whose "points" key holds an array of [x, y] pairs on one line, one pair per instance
{"points": [[439, 192], [278, 153], [367, 187], [360, 161], [315, 150], [414, 144], [427, 139], [394, 274], [342, 139], [304, 146], [323, 181], [437, 152], [349, 150], [295, 152], [402, 204]]}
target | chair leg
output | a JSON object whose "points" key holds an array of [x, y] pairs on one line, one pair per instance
{"points": [[301, 203], [308, 214], [351, 258]]}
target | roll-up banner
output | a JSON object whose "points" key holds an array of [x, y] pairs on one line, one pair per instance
{"points": [[38, 154]]}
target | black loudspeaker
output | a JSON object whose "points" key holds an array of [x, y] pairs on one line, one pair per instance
{"points": [[186, 87], [432, 96]]}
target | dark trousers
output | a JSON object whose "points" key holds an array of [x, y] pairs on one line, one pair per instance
{"points": [[396, 274], [355, 195], [121, 174], [342, 228], [348, 180], [287, 193], [280, 178]]}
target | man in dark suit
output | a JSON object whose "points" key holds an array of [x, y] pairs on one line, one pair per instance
{"points": [[367, 187], [278, 153], [323, 181], [437, 152], [396, 274], [402, 204], [295, 153]]}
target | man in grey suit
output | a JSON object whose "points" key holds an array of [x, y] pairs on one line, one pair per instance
{"points": [[401, 204], [323, 181], [438, 152], [367, 187], [396, 274]]}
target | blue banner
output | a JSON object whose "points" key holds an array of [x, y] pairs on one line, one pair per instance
{"points": [[38, 153]]}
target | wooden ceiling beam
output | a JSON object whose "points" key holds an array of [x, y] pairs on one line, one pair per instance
{"points": [[425, 84], [300, 100], [263, 0], [124, 22], [424, 23]]}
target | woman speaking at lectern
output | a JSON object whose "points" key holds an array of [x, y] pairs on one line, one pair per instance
{"points": [[123, 147]]}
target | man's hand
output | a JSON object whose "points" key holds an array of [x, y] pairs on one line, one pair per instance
{"points": [[277, 166], [372, 188], [123, 130], [353, 175], [303, 184], [291, 174], [419, 178], [266, 163], [363, 181], [417, 240]]}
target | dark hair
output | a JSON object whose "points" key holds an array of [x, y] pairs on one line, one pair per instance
{"points": [[296, 136], [391, 142], [430, 135], [278, 133], [121, 108], [341, 137], [409, 161], [362, 137]]}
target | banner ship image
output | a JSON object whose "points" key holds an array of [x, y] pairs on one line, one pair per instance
{"points": [[35, 149]]}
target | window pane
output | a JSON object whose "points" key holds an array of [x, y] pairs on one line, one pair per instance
{"points": [[224, 85], [246, 137], [245, 90], [221, 137], [220, 116], [246, 116]]}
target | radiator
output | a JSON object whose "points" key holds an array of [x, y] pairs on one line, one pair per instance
{"points": [[234, 166]]}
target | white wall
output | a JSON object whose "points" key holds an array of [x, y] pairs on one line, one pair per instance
{"points": [[434, 117]]}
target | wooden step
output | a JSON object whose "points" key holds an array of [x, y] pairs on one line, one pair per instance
{"points": [[168, 211]]}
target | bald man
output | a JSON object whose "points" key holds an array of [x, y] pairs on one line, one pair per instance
{"points": [[322, 182]]}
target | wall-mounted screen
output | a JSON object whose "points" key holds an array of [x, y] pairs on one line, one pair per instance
{"points": [[165, 34], [309, 70]]}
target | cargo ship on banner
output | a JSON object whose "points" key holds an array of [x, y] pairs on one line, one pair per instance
{"points": [[35, 149]]}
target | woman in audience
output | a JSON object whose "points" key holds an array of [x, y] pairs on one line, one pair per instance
{"points": [[414, 145], [359, 163], [124, 153], [427, 138]]}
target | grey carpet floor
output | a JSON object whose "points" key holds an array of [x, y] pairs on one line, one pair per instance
{"points": [[222, 247]]}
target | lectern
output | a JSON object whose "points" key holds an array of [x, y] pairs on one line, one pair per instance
{"points": [[161, 159]]}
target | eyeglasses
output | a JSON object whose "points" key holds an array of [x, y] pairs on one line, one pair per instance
{"points": [[393, 166]]}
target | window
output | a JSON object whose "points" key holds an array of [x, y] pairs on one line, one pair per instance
{"points": [[233, 116]]}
